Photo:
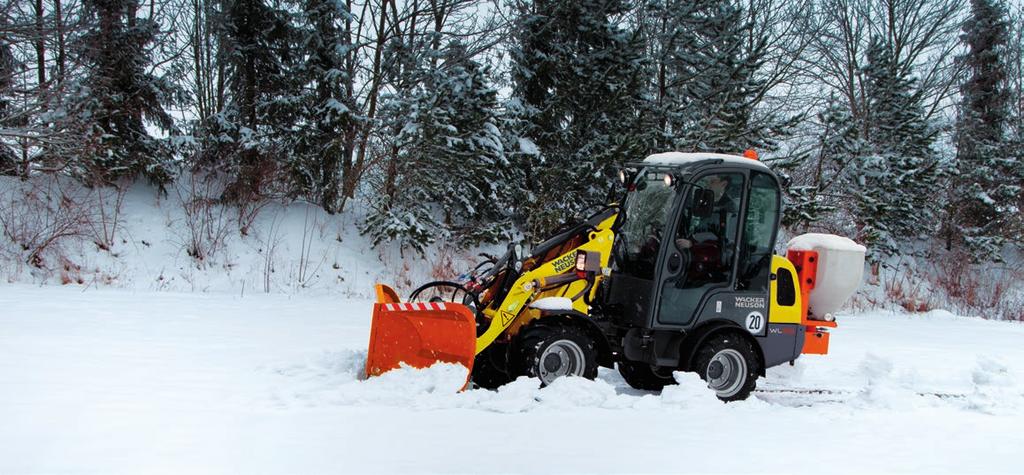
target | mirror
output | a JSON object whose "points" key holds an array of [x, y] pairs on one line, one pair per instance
{"points": [[703, 202]]}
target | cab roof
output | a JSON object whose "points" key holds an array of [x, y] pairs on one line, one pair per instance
{"points": [[675, 159]]}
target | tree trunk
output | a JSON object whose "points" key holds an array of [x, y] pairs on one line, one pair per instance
{"points": [[371, 110], [349, 175], [198, 75], [58, 15], [40, 45]]}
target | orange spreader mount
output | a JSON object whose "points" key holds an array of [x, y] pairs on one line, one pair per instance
{"points": [[815, 331], [418, 334]]}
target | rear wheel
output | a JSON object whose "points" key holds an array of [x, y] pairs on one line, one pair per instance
{"points": [[551, 351], [730, 366], [641, 375]]}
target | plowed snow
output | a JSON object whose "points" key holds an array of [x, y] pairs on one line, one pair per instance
{"points": [[114, 381]]}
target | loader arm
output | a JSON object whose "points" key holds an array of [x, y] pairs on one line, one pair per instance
{"points": [[422, 333], [514, 308]]}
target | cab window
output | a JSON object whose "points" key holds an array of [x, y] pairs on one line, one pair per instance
{"points": [[709, 241], [648, 209], [756, 248]]}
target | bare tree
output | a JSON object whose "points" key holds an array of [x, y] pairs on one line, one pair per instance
{"points": [[923, 35]]}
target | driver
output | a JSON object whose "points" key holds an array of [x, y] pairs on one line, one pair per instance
{"points": [[707, 237]]}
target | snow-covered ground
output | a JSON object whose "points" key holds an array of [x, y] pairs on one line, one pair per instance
{"points": [[115, 381], [287, 248]]}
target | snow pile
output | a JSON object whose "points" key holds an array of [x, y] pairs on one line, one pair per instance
{"points": [[552, 303], [995, 391], [812, 241], [678, 158], [885, 389], [692, 392], [144, 382], [336, 379]]}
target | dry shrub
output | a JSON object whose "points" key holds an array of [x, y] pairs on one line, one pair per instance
{"points": [[40, 213], [70, 273], [905, 288], [985, 290], [1015, 311], [442, 264], [946, 281], [248, 211], [108, 202], [312, 229], [207, 224], [401, 276], [269, 251]]}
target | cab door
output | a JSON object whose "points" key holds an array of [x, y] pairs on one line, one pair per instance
{"points": [[702, 252], [719, 266]]}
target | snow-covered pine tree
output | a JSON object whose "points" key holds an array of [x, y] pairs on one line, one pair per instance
{"points": [[709, 83], [894, 182], [707, 57], [446, 176], [986, 207], [249, 139], [8, 160], [326, 135], [578, 89], [115, 99], [839, 142]]}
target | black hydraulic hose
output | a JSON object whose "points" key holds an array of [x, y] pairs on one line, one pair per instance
{"points": [[445, 283], [437, 283], [585, 293]]}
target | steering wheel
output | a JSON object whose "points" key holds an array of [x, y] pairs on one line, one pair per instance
{"points": [[654, 230]]}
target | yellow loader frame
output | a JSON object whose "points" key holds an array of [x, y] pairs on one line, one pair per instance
{"points": [[514, 311]]}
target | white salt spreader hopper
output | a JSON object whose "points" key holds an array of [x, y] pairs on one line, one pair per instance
{"points": [[830, 269]]}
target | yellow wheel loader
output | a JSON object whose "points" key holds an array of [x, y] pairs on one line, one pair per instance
{"points": [[681, 276]]}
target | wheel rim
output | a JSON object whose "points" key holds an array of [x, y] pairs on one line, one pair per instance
{"points": [[726, 372], [561, 358]]}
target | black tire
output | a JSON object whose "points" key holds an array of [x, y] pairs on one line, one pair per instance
{"points": [[490, 367], [641, 375], [550, 350], [723, 357]]}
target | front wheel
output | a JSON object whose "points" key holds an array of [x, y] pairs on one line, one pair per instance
{"points": [[730, 366], [551, 351]]}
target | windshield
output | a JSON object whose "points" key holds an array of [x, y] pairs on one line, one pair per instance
{"points": [[648, 209]]}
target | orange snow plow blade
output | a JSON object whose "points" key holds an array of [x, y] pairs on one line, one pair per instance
{"points": [[418, 334]]}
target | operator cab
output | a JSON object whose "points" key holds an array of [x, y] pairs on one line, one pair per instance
{"points": [[696, 232]]}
